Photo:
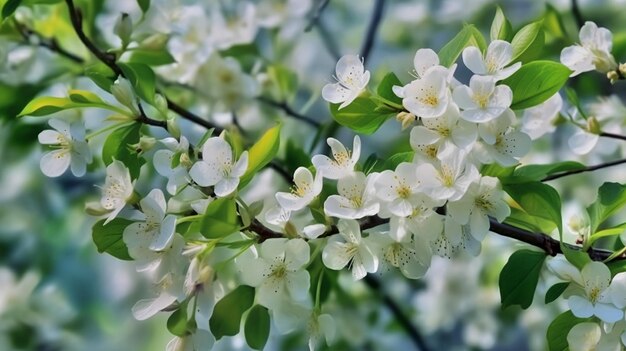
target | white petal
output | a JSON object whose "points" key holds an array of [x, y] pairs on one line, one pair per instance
{"points": [[335, 254], [499, 54], [462, 95], [298, 285], [296, 254], [584, 336], [473, 59], [166, 234], [423, 60], [578, 59], [290, 202], [205, 175], [608, 313], [582, 142], [313, 231], [50, 137], [226, 186], [147, 308], [335, 93], [580, 306], [216, 151], [241, 166], [55, 163]]}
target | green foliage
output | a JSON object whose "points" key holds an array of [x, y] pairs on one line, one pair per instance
{"points": [[142, 78], [220, 219], [532, 173], [500, 27], [261, 153], [295, 156], [528, 42], [108, 238], [468, 36], [117, 146], [385, 88], [257, 327], [151, 57], [559, 328], [285, 80], [537, 200], [519, 277], [576, 257], [536, 82], [226, 318], [611, 198], [553, 23], [102, 75], [555, 291], [361, 115], [177, 321], [144, 5], [46, 105]]}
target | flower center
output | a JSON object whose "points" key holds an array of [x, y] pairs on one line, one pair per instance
{"points": [[342, 158], [594, 294], [483, 203], [403, 191], [429, 99], [482, 100], [301, 189], [446, 176]]}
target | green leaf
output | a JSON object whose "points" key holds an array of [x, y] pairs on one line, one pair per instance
{"points": [[9, 7], [142, 78], [468, 36], [220, 219], [496, 170], [536, 82], [523, 220], [117, 147], [261, 153], [177, 322], [102, 75], [553, 23], [559, 328], [576, 257], [527, 41], [611, 198], [295, 156], [500, 27], [46, 105], [519, 277], [555, 291], [385, 90], [360, 115], [144, 5], [84, 97], [538, 172], [286, 81], [257, 327], [108, 238], [538, 200], [151, 57], [226, 318], [396, 159]]}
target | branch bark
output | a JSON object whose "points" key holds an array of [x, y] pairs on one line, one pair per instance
{"points": [[582, 170]]}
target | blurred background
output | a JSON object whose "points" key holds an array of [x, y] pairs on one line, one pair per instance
{"points": [[58, 293]]}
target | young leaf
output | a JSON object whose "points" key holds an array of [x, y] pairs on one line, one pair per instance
{"points": [[611, 198], [144, 5], [226, 318], [519, 277], [142, 78], [538, 200], [286, 81], [151, 57], [468, 36], [360, 115], [108, 238], [220, 219], [531, 173], [385, 88], [523, 220], [177, 322], [500, 27], [46, 105], [555, 291], [261, 153], [527, 41], [576, 257], [536, 82], [257, 327], [117, 147], [559, 328], [9, 7]]}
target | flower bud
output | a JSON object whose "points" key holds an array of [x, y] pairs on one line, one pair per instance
{"points": [[124, 29], [593, 126], [145, 144], [613, 76], [154, 42], [406, 119], [173, 128], [160, 103], [124, 94]]}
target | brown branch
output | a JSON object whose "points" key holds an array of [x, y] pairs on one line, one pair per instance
{"points": [[289, 111], [613, 136], [582, 170], [372, 28]]}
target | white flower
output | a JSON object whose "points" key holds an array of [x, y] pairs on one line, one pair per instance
{"points": [[482, 101], [410, 258], [117, 189], [197, 341], [320, 327], [450, 180], [351, 78], [279, 217], [493, 63], [356, 199], [218, 167], [584, 337], [277, 271], [71, 149], [156, 232], [502, 143], [173, 163], [594, 51], [482, 199], [398, 189], [538, 120], [225, 82], [423, 222], [595, 297], [344, 161], [274, 13], [169, 290], [446, 132], [428, 96], [348, 249], [305, 189], [236, 27]]}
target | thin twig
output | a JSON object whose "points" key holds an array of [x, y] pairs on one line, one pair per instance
{"points": [[372, 29], [328, 40], [289, 111], [613, 136], [578, 16], [403, 320], [582, 170], [316, 15]]}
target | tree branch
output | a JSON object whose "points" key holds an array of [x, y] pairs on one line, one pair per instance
{"points": [[372, 28], [49, 43], [411, 330], [578, 16], [613, 136], [582, 170], [289, 111], [316, 15]]}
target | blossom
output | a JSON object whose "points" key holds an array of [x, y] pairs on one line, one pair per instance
{"points": [[304, 191], [447, 131], [277, 271], [584, 336], [157, 231], [279, 216], [494, 62], [173, 163], [482, 199], [411, 258], [117, 189], [71, 149], [428, 96], [218, 167], [482, 101], [356, 199], [450, 179], [594, 51], [351, 78], [502, 143], [398, 189], [344, 160], [538, 120], [348, 248]]}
